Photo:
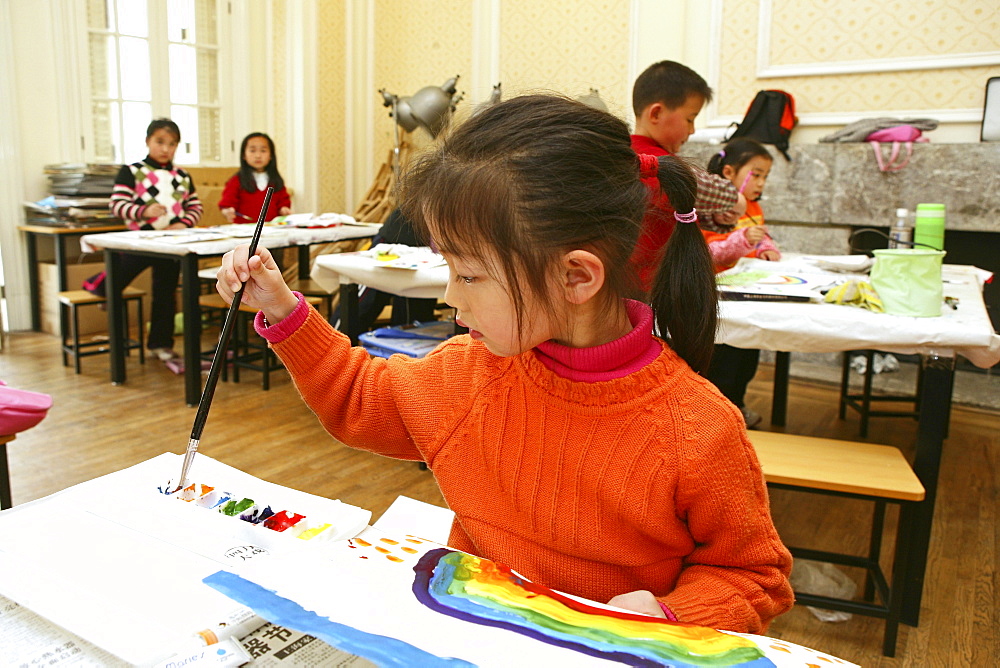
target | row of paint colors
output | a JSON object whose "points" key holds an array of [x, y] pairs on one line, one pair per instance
{"points": [[284, 521]]}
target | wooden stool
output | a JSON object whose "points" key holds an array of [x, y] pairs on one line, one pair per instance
{"points": [[862, 402], [877, 473], [248, 353], [207, 278], [73, 300], [310, 288]]}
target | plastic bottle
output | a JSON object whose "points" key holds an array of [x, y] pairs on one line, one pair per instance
{"points": [[901, 234], [929, 229]]}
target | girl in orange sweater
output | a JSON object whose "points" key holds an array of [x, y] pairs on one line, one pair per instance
{"points": [[572, 443]]}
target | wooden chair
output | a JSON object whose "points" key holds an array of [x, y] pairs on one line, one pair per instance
{"points": [[71, 344], [248, 351], [877, 473]]}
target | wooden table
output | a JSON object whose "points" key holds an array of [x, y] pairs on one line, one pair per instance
{"points": [[59, 236], [348, 270], [117, 244]]}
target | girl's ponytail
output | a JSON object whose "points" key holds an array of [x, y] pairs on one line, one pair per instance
{"points": [[684, 296]]}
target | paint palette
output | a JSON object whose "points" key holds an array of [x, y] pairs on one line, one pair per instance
{"points": [[274, 529]]}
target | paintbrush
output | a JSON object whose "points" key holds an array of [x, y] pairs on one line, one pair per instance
{"points": [[219, 359]]}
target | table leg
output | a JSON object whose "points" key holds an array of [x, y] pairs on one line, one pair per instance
{"points": [[5, 497], [36, 307], [305, 259], [113, 290], [60, 253], [779, 399], [190, 290], [935, 410], [350, 314]]}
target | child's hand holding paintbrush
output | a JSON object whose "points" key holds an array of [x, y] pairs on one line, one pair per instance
{"points": [[231, 214]]}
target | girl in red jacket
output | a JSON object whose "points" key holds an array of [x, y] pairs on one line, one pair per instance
{"points": [[243, 195], [573, 443]]}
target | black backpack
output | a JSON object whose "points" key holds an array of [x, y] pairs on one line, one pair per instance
{"points": [[769, 119]]}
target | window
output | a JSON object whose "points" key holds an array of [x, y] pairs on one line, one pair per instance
{"points": [[150, 59]]}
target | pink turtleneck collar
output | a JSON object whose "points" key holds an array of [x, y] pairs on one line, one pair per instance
{"points": [[608, 361]]}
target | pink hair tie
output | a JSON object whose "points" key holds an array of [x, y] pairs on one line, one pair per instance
{"points": [[648, 165], [689, 217]]}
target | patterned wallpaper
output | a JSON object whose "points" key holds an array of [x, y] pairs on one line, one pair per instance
{"points": [[570, 46], [279, 96], [416, 45], [819, 31], [331, 72], [823, 30], [567, 46]]}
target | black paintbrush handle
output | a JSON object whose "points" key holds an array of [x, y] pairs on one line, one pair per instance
{"points": [[227, 329]]}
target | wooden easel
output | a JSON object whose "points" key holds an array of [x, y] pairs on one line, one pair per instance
{"points": [[375, 207], [378, 201]]}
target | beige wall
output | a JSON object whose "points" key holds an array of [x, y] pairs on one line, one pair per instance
{"points": [[566, 46], [417, 44], [842, 61], [854, 59], [332, 75]]}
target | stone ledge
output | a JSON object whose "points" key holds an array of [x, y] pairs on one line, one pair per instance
{"points": [[840, 184]]}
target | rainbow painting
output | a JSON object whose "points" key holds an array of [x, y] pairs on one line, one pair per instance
{"points": [[484, 592]]}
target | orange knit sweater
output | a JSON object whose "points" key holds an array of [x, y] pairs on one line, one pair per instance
{"points": [[595, 489]]}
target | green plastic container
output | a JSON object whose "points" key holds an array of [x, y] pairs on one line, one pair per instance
{"points": [[929, 226], [909, 281]]}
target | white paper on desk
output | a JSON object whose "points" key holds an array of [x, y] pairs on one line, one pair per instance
{"points": [[368, 589], [121, 566], [179, 237]]}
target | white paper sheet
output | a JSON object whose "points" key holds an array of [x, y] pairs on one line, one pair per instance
{"points": [[121, 565]]}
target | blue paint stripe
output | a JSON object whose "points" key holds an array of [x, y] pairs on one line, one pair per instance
{"points": [[381, 650]]}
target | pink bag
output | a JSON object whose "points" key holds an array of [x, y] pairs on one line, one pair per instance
{"points": [[902, 133], [21, 409], [899, 136]]}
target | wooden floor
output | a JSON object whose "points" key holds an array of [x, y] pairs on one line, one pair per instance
{"points": [[95, 428]]}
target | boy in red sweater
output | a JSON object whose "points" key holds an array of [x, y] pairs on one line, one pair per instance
{"points": [[666, 99]]}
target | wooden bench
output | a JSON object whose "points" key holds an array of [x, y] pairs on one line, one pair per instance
{"points": [[878, 473], [71, 345]]}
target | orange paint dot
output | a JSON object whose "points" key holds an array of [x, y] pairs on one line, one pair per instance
{"points": [[781, 649], [362, 542], [382, 550], [408, 550], [392, 558], [414, 540], [389, 541]]}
